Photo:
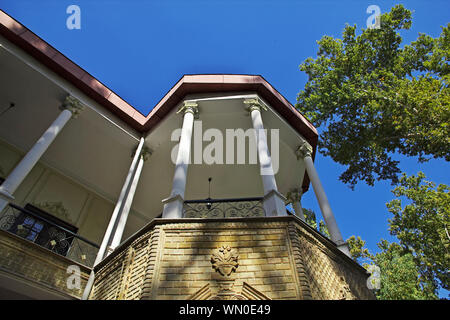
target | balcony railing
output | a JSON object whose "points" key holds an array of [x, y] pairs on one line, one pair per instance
{"points": [[45, 233], [224, 208]]}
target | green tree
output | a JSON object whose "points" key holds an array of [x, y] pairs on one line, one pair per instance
{"points": [[310, 218], [421, 224], [399, 274], [358, 251], [400, 278], [417, 266], [375, 98]]}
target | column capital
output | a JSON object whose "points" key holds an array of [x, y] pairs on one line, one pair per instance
{"points": [[189, 107], [146, 152], [254, 104], [343, 246], [304, 150], [6, 195], [73, 105], [294, 195]]}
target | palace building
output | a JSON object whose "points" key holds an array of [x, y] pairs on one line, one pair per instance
{"points": [[99, 201]]}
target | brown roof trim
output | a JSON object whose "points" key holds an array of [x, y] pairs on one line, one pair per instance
{"points": [[188, 84]]}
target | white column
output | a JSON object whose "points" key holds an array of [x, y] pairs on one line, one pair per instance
{"points": [[305, 152], [117, 238], [173, 206], [112, 222], [71, 108], [274, 202], [294, 197]]}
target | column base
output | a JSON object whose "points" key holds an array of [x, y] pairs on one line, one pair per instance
{"points": [[274, 204], [173, 207], [109, 250], [343, 246], [5, 198], [5, 195], [298, 210]]}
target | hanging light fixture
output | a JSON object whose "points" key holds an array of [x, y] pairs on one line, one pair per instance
{"points": [[209, 204]]}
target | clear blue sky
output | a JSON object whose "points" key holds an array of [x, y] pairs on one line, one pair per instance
{"points": [[140, 49]]}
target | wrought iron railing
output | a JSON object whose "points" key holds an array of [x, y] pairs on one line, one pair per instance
{"points": [[224, 208], [56, 238]]}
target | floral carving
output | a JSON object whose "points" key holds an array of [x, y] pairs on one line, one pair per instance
{"points": [[55, 208], [225, 261]]}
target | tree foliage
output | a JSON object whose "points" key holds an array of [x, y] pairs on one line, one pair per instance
{"points": [[400, 278], [418, 265], [311, 219], [374, 98], [399, 274], [357, 248], [422, 225]]}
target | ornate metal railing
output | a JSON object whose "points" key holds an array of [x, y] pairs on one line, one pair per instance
{"points": [[224, 208], [45, 233]]}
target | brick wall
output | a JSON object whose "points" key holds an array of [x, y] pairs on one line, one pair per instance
{"points": [[41, 267], [278, 258]]}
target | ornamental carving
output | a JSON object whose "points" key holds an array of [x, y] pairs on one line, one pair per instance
{"points": [[294, 195], [191, 107], [224, 209], [254, 104], [145, 152], [73, 105], [56, 208], [225, 261], [304, 150]]}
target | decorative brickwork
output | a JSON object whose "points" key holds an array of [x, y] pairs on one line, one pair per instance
{"points": [[39, 266], [269, 258], [331, 276], [122, 278], [304, 287]]}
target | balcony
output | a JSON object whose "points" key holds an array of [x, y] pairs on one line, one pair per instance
{"points": [[36, 251], [224, 208], [266, 257]]}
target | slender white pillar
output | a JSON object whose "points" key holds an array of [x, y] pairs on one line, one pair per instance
{"points": [[71, 108], [274, 202], [117, 238], [305, 152], [112, 222], [294, 197], [173, 206]]}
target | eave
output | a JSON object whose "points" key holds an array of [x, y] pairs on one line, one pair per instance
{"points": [[33, 45]]}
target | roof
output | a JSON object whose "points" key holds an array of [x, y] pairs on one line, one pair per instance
{"points": [[188, 84]]}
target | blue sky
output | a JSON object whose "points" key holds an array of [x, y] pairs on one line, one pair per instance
{"points": [[140, 49]]}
